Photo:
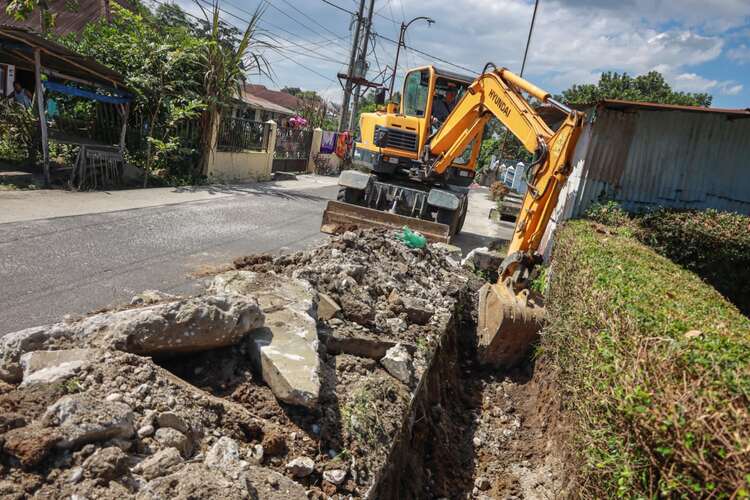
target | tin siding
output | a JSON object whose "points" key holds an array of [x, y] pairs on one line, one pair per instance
{"points": [[676, 159]]}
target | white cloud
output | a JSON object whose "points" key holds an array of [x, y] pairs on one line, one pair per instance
{"points": [[691, 82], [740, 54]]}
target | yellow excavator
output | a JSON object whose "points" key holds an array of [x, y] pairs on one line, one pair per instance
{"points": [[414, 165]]}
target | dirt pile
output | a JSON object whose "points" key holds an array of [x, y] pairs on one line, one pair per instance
{"points": [[104, 423]]}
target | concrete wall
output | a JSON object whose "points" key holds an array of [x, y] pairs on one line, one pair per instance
{"points": [[244, 165]]}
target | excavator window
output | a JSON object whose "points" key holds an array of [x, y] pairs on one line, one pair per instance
{"points": [[416, 92]]}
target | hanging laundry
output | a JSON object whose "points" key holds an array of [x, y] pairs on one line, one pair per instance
{"points": [[328, 143]]}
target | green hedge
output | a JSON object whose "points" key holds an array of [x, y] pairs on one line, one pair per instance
{"points": [[654, 366], [714, 245]]}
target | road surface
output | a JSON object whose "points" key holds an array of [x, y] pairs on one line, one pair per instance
{"points": [[80, 262]]}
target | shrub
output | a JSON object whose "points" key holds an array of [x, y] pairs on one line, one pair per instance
{"points": [[654, 367], [715, 245]]}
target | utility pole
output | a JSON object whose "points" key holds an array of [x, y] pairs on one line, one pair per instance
{"points": [[362, 65], [343, 117]]}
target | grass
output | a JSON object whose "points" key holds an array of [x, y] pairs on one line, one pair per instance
{"points": [[654, 364]]}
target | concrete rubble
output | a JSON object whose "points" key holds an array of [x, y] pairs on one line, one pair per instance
{"points": [[289, 377], [287, 345]]}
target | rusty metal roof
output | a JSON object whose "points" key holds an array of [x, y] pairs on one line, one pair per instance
{"points": [[17, 47], [620, 104], [68, 20]]}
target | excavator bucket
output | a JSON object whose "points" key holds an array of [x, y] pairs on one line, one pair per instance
{"points": [[509, 323], [341, 216]]}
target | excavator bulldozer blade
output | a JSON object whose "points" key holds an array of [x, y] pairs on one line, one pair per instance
{"points": [[508, 325], [340, 215]]}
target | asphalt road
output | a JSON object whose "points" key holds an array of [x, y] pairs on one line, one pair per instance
{"points": [[64, 265]]}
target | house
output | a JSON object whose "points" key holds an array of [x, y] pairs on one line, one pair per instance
{"points": [[261, 104], [67, 20]]}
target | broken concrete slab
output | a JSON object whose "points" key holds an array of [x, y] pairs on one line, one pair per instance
{"points": [[327, 307], [189, 325], [186, 325], [46, 367], [361, 343], [15, 344], [288, 343], [81, 419]]}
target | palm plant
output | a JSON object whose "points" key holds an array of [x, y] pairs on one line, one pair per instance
{"points": [[226, 65]]}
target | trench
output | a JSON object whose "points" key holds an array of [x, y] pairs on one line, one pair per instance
{"points": [[469, 432], [478, 432]]}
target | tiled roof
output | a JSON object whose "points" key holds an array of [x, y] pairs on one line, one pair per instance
{"points": [[279, 98], [68, 20]]}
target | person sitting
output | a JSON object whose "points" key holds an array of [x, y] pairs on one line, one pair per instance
{"points": [[442, 107], [20, 95]]}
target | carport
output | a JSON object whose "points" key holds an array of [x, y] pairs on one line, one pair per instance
{"points": [[55, 69]]}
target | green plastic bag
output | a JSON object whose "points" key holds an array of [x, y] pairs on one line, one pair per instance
{"points": [[412, 239]]}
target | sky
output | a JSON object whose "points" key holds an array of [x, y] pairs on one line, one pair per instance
{"points": [[699, 45]]}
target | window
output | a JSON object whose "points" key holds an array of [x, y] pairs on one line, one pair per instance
{"points": [[416, 90]]}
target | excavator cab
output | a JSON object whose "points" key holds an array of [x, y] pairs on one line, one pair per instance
{"points": [[392, 162]]}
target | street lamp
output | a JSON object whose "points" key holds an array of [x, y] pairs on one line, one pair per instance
{"points": [[401, 43]]}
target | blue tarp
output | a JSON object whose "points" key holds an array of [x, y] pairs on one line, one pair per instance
{"points": [[122, 98]]}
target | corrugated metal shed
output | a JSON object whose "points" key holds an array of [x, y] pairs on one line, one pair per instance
{"points": [[645, 155], [651, 155]]}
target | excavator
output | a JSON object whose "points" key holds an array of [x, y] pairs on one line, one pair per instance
{"points": [[414, 164]]}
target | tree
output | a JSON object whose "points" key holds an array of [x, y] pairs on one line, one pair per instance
{"points": [[224, 68], [650, 87], [161, 66]]}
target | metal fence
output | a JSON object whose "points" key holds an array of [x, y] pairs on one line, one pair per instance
{"points": [[238, 134], [292, 144], [292, 149]]}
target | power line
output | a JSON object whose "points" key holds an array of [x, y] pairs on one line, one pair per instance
{"points": [[278, 50], [339, 7], [305, 15], [436, 58], [263, 21]]}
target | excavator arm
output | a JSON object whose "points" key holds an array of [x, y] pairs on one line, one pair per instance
{"points": [[498, 93]]}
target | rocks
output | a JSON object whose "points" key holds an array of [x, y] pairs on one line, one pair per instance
{"points": [[361, 343], [335, 476], [148, 297], [483, 259], [301, 467], [146, 431], [482, 484], [194, 481], [173, 421], [30, 445], [82, 419], [418, 311], [106, 464], [168, 437], [287, 346], [399, 363], [46, 367], [225, 455], [159, 464], [327, 307]]}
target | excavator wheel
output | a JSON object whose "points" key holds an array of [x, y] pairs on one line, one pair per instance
{"points": [[349, 195]]}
